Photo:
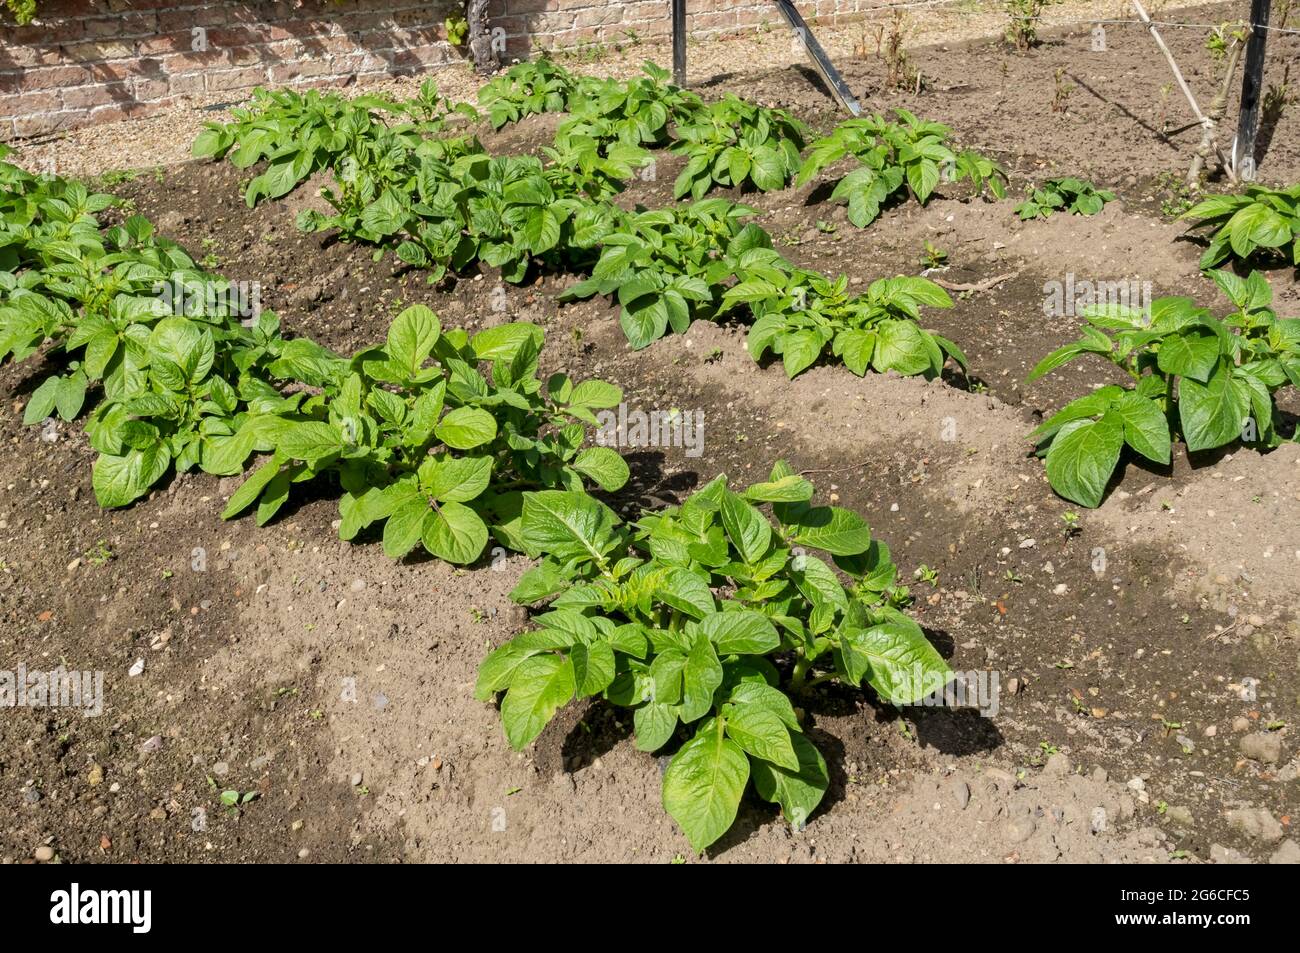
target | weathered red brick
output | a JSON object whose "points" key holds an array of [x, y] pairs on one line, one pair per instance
{"points": [[44, 77], [45, 33], [126, 6], [94, 50], [87, 97], [24, 104], [237, 78], [183, 21], [151, 90], [188, 62], [120, 111], [516, 7], [187, 84], [25, 127], [122, 25], [600, 16]]}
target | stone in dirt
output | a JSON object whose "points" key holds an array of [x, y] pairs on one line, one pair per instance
{"points": [[1180, 815], [960, 793], [1263, 746], [1058, 765], [1288, 852], [1020, 829], [1226, 855], [1256, 823], [1098, 820]]}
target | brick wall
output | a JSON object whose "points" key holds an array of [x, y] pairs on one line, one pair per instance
{"points": [[89, 61], [556, 24]]}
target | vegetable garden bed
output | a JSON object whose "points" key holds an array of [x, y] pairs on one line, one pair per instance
{"points": [[339, 685]]}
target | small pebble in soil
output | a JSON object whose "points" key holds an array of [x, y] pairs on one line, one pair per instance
{"points": [[1256, 823], [1264, 746], [44, 854], [1180, 815], [1019, 829]]}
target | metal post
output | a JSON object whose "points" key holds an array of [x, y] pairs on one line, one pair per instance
{"points": [[817, 55], [679, 42], [1243, 151]]}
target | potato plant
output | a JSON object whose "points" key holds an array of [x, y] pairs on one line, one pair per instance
{"points": [[1209, 380], [424, 443], [664, 267], [733, 143], [708, 620], [169, 367], [530, 88], [637, 112], [296, 134], [503, 210], [299, 134], [1064, 195], [1260, 219], [895, 158], [798, 313], [444, 205]]}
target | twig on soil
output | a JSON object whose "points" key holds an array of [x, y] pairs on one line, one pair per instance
{"points": [[1221, 632], [977, 286]]}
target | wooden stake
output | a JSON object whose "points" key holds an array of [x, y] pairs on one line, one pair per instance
{"points": [[1216, 115], [1178, 74], [1201, 118]]}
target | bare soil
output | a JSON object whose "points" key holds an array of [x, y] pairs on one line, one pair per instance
{"points": [[1135, 655]]}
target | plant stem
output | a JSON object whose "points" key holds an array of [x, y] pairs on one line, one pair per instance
{"points": [[801, 668]]}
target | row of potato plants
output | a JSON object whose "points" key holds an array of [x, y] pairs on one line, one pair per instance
{"points": [[153, 350], [1210, 380], [706, 619], [1207, 380], [438, 201]]}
